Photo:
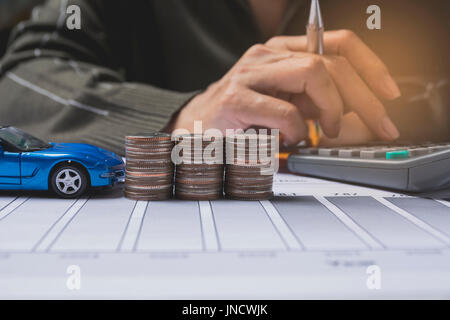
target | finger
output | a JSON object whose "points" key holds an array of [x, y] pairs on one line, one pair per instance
{"points": [[301, 75], [353, 132], [349, 45], [306, 106], [256, 109], [262, 54], [359, 98], [364, 60], [303, 102]]}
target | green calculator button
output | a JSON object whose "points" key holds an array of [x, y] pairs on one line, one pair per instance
{"points": [[398, 154]]}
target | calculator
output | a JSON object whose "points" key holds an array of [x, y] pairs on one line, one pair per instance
{"points": [[404, 167]]}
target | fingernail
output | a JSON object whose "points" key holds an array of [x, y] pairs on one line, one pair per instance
{"points": [[389, 128], [334, 131], [391, 88]]}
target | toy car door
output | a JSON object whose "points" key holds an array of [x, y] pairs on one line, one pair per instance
{"points": [[9, 167]]}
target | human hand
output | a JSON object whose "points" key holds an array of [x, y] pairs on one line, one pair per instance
{"points": [[278, 86], [360, 77]]}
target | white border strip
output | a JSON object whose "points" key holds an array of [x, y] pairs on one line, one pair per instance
{"points": [[13, 205], [54, 97], [279, 223], [134, 226], [346, 220], [208, 227], [421, 224], [50, 238]]}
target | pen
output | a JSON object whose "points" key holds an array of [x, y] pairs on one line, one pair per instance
{"points": [[314, 35], [314, 29]]}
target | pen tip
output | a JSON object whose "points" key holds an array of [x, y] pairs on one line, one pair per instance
{"points": [[315, 16]]}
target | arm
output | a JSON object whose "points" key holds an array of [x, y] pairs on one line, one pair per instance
{"points": [[64, 85]]}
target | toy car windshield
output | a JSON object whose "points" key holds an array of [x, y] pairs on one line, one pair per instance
{"points": [[22, 140]]}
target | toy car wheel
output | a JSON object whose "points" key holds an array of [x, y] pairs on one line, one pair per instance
{"points": [[69, 182]]}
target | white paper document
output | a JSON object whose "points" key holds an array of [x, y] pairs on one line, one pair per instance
{"points": [[315, 239]]}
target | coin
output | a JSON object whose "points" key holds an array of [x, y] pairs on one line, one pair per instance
{"points": [[199, 176], [197, 197], [150, 136], [250, 196], [148, 196], [149, 169], [199, 173], [248, 173]]}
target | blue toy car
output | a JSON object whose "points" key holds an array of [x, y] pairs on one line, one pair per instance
{"points": [[68, 169]]}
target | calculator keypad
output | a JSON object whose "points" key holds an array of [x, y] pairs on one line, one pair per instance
{"points": [[381, 152]]}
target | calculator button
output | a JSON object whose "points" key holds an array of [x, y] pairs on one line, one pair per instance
{"points": [[397, 154], [418, 152], [349, 153], [373, 153], [326, 152]]}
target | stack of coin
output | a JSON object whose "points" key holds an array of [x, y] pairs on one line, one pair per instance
{"points": [[250, 166], [149, 168], [199, 171]]}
